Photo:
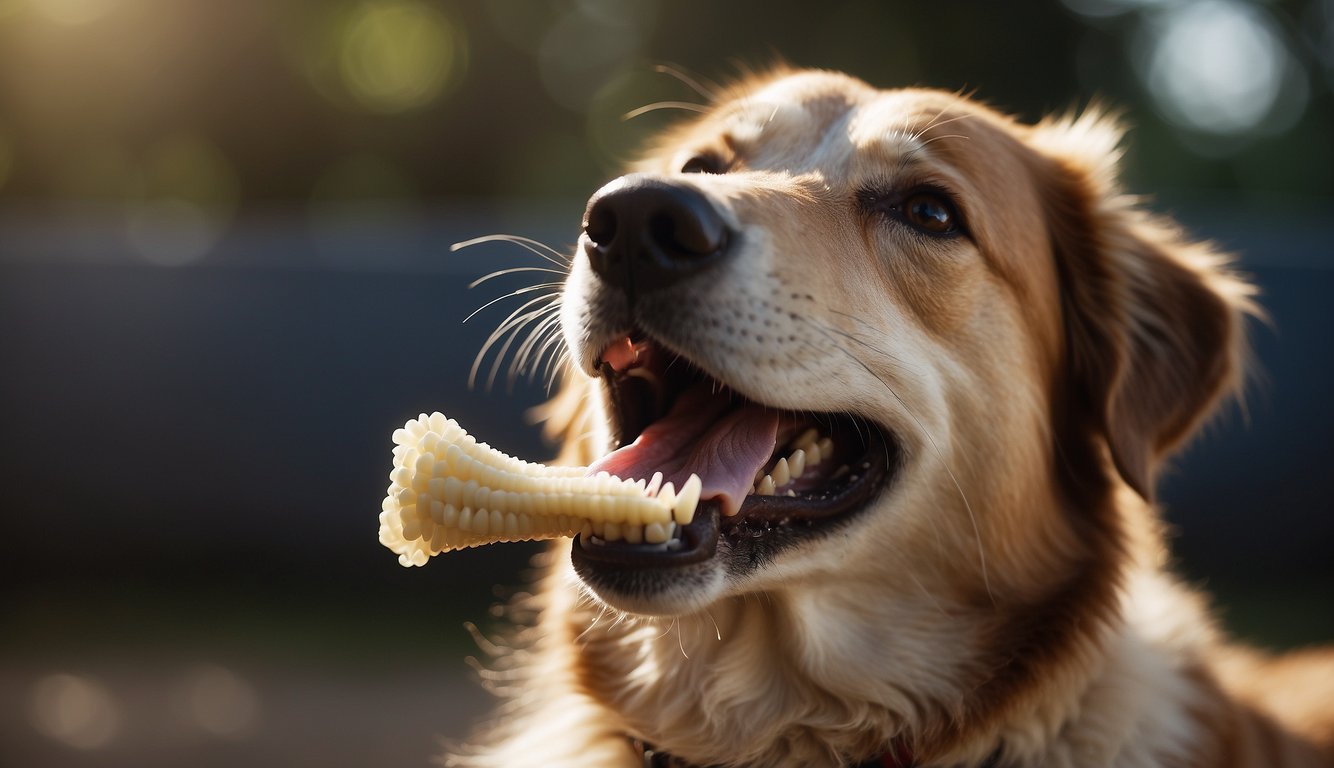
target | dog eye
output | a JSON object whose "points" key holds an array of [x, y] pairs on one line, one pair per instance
{"points": [[930, 213], [925, 209], [704, 163]]}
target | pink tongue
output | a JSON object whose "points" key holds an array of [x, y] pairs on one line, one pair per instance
{"points": [[699, 436]]}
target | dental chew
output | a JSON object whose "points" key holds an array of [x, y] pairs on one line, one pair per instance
{"points": [[449, 492]]}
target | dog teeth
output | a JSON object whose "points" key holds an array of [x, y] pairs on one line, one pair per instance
{"points": [[653, 533], [797, 462], [807, 439], [667, 495], [808, 452], [656, 533], [683, 511]]}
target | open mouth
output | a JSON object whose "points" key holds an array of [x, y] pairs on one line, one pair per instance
{"points": [[771, 477]]}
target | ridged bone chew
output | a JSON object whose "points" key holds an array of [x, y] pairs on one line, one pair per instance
{"points": [[449, 492]]}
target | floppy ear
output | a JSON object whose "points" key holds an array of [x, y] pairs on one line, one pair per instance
{"points": [[1153, 322]]}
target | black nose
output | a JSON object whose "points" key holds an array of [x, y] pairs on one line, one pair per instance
{"points": [[646, 233]]}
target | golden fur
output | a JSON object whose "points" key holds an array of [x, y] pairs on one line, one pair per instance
{"points": [[1007, 598]]}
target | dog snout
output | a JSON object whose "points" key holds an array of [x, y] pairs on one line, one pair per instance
{"points": [[646, 233]]}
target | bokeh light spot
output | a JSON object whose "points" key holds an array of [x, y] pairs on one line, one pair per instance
{"points": [[189, 195], [170, 232], [1217, 67], [74, 711], [397, 55], [221, 703], [589, 46]]}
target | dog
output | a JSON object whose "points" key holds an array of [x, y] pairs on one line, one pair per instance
{"points": [[984, 352]]}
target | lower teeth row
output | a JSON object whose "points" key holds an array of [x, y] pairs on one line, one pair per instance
{"points": [[653, 533], [808, 451]]}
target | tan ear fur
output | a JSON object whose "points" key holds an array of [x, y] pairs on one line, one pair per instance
{"points": [[1154, 322]]}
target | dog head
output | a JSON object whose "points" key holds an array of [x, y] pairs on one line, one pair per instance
{"points": [[968, 334]]}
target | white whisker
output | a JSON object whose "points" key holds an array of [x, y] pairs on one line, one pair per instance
{"points": [[688, 106], [539, 332], [513, 335], [512, 270], [690, 82], [555, 364], [511, 324], [535, 247], [718, 633], [552, 351], [934, 139], [519, 292], [680, 643], [935, 124]]}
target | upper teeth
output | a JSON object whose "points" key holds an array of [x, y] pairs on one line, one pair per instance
{"points": [[808, 451]]}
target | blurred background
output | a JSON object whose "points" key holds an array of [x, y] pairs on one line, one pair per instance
{"points": [[225, 277]]}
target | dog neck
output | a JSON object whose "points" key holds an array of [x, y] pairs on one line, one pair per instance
{"points": [[898, 756], [716, 687]]}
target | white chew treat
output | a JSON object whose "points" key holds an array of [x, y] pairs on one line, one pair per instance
{"points": [[448, 492]]}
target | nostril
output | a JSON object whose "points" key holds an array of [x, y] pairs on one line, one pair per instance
{"points": [[601, 226], [685, 231]]}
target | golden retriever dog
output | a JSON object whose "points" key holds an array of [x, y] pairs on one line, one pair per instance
{"points": [[984, 353]]}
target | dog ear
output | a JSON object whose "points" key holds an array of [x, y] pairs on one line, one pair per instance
{"points": [[1153, 322]]}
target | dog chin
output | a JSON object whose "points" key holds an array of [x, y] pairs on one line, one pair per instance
{"points": [[659, 592]]}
